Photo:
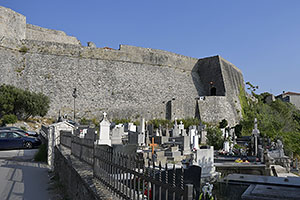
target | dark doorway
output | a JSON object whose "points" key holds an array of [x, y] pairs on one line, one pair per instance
{"points": [[213, 91]]}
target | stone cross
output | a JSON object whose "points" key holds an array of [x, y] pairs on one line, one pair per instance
{"points": [[152, 145]]}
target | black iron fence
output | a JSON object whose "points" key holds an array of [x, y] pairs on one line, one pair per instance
{"points": [[128, 176]]}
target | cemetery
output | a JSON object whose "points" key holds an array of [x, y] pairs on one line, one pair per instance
{"points": [[128, 161]]}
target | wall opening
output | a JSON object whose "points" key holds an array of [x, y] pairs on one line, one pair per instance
{"points": [[213, 91]]}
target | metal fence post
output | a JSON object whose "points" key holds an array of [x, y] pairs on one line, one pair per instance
{"points": [[188, 192]]}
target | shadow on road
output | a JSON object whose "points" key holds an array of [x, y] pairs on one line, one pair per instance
{"points": [[23, 180]]}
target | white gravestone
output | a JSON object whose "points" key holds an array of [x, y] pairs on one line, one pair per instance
{"points": [[226, 146], [193, 131], [181, 128], [195, 142], [104, 131], [131, 127], [116, 135], [205, 159]]}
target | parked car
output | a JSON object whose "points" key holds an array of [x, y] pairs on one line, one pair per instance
{"points": [[10, 139], [12, 128]]}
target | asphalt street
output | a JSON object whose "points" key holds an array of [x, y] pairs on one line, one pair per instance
{"points": [[21, 178]]}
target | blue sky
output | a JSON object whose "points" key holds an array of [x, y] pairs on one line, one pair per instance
{"points": [[261, 37]]}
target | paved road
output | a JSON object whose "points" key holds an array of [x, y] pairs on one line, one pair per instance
{"points": [[21, 178]]}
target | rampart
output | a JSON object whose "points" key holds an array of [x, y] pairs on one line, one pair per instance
{"points": [[127, 82]]}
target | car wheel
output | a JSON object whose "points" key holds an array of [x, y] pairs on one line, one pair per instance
{"points": [[28, 145]]}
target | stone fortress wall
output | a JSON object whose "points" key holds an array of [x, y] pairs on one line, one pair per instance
{"points": [[128, 82]]}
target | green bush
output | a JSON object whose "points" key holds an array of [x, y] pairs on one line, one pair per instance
{"points": [[41, 155], [9, 119], [223, 123], [22, 103], [214, 137]]}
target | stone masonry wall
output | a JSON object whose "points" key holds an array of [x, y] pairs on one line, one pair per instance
{"points": [[42, 34], [121, 88], [12, 24]]}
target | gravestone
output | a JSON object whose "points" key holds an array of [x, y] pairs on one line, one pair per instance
{"points": [[173, 154], [131, 127], [203, 133], [205, 159], [132, 137], [255, 135], [160, 157], [167, 131], [91, 134], [142, 127], [175, 131], [104, 135], [195, 145], [184, 143], [117, 132], [142, 133], [182, 131], [150, 130], [193, 134], [226, 146]]}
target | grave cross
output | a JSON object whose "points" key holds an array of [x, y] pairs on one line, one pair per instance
{"points": [[152, 145]]}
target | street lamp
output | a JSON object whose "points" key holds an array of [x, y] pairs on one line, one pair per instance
{"points": [[75, 96]]}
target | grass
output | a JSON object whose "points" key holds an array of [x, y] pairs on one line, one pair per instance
{"points": [[41, 155], [23, 49]]}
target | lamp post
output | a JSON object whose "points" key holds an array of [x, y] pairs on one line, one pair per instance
{"points": [[75, 96]]}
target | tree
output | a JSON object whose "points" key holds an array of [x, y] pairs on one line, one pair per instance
{"points": [[22, 103]]}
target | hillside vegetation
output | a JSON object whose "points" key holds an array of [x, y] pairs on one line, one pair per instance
{"points": [[276, 120]]}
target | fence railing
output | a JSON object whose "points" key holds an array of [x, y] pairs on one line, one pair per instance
{"points": [[128, 176], [66, 138]]}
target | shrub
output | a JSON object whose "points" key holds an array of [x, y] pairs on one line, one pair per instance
{"points": [[41, 155], [121, 121], [214, 137], [9, 119], [162, 122]]}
